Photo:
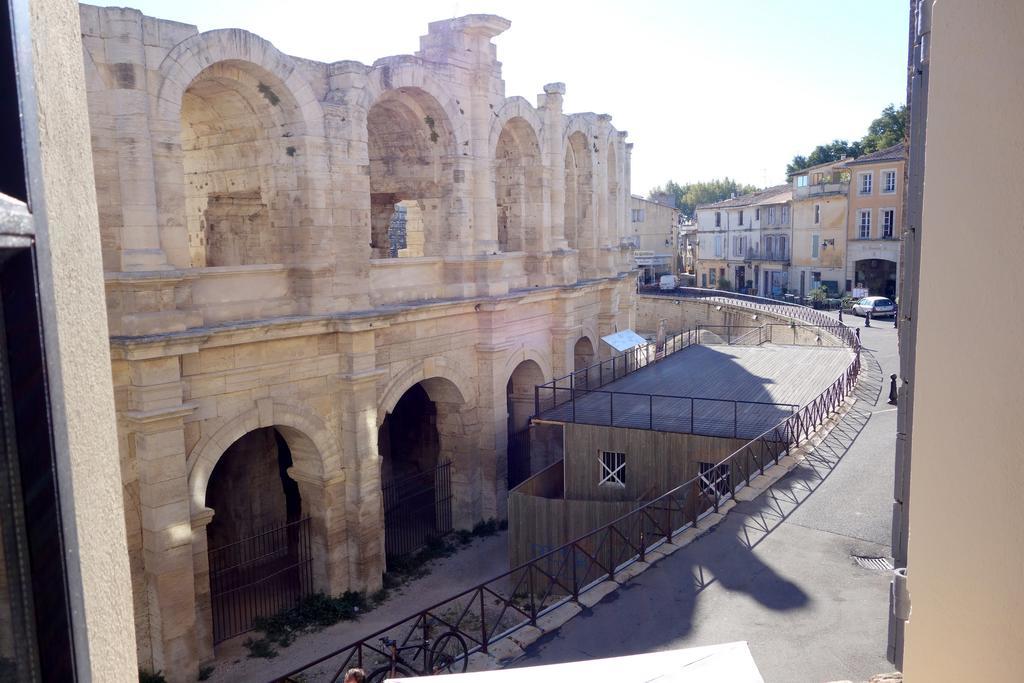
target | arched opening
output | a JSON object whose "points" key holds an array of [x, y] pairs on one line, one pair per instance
{"points": [[411, 148], [240, 139], [519, 395], [578, 192], [518, 187], [259, 544], [878, 276], [582, 354], [418, 442]]}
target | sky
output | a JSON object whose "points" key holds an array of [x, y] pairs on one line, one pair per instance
{"points": [[706, 88]]}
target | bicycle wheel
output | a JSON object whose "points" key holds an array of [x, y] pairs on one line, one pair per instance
{"points": [[388, 672], [449, 654]]}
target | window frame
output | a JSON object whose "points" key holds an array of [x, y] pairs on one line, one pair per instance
{"points": [[865, 183], [613, 474], [815, 245], [895, 181], [864, 224], [891, 232]]}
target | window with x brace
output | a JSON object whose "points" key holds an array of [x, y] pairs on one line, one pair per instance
{"points": [[613, 469]]}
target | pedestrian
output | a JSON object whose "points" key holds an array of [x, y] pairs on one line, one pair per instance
{"points": [[840, 313], [355, 676]]}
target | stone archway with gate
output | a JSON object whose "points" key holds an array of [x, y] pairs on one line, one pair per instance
{"points": [[317, 483], [438, 403]]}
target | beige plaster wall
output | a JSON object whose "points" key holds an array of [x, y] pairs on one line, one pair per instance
{"points": [[966, 539], [75, 322]]}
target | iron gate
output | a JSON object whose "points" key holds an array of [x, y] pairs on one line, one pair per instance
{"points": [[518, 457], [259, 576], [417, 508]]}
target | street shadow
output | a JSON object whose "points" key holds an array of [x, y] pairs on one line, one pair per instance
{"points": [[725, 555]]}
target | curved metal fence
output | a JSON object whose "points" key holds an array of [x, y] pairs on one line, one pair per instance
{"points": [[519, 597]]}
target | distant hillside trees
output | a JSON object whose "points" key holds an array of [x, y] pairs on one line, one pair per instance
{"points": [[688, 196]]}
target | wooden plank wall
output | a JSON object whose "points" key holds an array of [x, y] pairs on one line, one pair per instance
{"points": [[655, 461]]}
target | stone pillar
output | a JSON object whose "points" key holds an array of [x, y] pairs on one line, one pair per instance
{"points": [[550, 104], [465, 43], [356, 398], [323, 501], [563, 343], [157, 434], [348, 189], [128, 101], [458, 430], [201, 564], [605, 202], [492, 408]]}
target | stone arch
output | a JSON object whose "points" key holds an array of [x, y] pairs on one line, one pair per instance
{"points": [[396, 73], [413, 150], [519, 187], [191, 56], [320, 482], [431, 368], [315, 451], [519, 393], [584, 352], [517, 108], [579, 215], [239, 123], [542, 360], [439, 409]]}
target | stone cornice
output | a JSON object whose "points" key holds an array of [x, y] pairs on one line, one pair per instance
{"points": [[225, 334], [140, 417]]}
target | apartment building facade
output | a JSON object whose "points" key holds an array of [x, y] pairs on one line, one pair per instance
{"points": [[875, 218], [820, 210], [653, 235], [746, 240]]}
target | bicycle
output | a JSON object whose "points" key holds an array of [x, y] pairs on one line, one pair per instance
{"points": [[448, 654]]}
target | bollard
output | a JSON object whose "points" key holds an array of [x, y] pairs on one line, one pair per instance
{"points": [[857, 331], [867, 319], [892, 390], [895, 321]]}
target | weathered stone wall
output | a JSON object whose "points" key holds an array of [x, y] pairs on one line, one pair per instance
{"points": [[253, 281]]}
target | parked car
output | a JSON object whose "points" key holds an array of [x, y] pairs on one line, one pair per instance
{"points": [[878, 305], [668, 282]]}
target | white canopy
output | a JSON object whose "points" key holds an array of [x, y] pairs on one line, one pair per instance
{"points": [[623, 341]]}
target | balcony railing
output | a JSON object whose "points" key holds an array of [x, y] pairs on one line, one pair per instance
{"points": [[821, 189], [758, 255]]}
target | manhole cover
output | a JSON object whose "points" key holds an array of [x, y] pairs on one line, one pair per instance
{"points": [[882, 564]]}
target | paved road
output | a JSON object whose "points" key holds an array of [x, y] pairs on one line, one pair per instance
{"points": [[778, 572]]}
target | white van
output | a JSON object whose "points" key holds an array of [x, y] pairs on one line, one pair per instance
{"points": [[668, 282]]}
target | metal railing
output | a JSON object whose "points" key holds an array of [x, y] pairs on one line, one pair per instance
{"points": [[821, 189], [776, 306], [495, 608], [683, 414], [417, 508], [605, 372], [259, 576]]}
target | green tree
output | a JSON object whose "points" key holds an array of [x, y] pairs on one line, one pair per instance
{"points": [[833, 151], [887, 130], [688, 196]]}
